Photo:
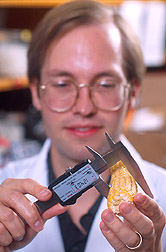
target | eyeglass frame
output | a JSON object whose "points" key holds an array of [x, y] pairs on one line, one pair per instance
{"points": [[77, 87]]}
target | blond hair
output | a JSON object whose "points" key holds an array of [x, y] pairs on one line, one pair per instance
{"points": [[64, 17]]}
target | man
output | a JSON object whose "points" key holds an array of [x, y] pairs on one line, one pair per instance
{"points": [[85, 70]]}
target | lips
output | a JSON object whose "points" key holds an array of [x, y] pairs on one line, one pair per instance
{"points": [[83, 131]]}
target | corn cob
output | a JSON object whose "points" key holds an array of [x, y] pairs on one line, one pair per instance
{"points": [[123, 187]]}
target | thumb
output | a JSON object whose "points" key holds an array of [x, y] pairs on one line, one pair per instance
{"points": [[54, 211]]}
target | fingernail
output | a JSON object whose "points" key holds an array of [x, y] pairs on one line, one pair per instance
{"points": [[20, 238], [45, 192], [38, 226], [141, 199], [109, 217], [127, 208]]}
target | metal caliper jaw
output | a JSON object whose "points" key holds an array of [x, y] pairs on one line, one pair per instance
{"points": [[118, 152]]}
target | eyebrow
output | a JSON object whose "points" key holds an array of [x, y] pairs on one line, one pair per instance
{"points": [[56, 73], [109, 73], [59, 73]]}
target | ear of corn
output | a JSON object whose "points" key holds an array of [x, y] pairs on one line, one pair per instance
{"points": [[123, 187]]}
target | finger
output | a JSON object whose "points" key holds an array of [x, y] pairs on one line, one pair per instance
{"points": [[151, 209], [15, 245], [111, 237], [29, 186], [138, 220], [22, 206], [124, 235], [53, 211], [11, 225], [2, 249], [5, 236]]}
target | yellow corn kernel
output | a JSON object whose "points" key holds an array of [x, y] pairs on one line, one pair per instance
{"points": [[123, 187]]}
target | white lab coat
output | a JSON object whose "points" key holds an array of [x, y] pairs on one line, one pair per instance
{"points": [[50, 239]]}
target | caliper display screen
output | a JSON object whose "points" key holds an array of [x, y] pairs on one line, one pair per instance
{"points": [[76, 182]]}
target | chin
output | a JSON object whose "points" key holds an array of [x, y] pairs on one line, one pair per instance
{"points": [[78, 156]]}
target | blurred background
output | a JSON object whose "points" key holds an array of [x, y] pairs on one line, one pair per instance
{"points": [[21, 129]]}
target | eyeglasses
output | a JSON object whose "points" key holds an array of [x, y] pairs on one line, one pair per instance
{"points": [[61, 96]]}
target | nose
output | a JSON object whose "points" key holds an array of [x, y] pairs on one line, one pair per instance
{"points": [[84, 104]]}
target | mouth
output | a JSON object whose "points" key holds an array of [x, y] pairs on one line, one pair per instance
{"points": [[83, 131]]}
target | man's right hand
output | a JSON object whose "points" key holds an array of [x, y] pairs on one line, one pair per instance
{"points": [[20, 220]]}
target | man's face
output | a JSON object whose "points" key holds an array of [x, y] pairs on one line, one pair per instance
{"points": [[82, 56]]}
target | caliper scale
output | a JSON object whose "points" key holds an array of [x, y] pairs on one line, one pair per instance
{"points": [[86, 174]]}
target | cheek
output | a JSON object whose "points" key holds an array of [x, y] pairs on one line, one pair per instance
{"points": [[50, 122], [122, 117], [115, 123]]}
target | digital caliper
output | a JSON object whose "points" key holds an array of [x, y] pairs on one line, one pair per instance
{"points": [[86, 174]]}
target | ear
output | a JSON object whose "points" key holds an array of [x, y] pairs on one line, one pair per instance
{"points": [[35, 95], [134, 95]]}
